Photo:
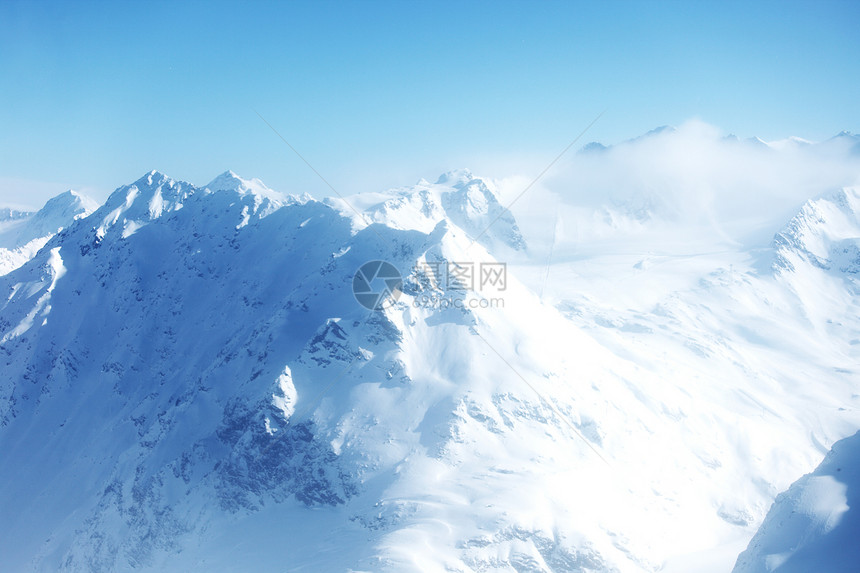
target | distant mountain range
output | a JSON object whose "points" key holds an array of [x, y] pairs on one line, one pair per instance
{"points": [[844, 141]]}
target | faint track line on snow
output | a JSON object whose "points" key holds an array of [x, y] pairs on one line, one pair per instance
{"points": [[549, 258]]}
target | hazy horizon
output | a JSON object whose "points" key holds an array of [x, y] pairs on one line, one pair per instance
{"points": [[378, 94]]}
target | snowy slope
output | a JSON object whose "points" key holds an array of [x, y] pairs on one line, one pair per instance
{"points": [[814, 526], [22, 234], [189, 384], [824, 234], [758, 360]]}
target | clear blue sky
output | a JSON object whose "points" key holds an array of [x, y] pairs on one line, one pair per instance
{"points": [[376, 94]]}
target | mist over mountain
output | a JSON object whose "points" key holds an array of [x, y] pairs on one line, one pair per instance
{"points": [[621, 372], [689, 181], [812, 526]]}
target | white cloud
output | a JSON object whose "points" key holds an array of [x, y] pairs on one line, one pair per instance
{"points": [[738, 191]]}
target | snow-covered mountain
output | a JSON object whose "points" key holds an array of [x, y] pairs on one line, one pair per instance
{"points": [[176, 325], [265, 200], [23, 233], [824, 234], [189, 384], [811, 527]]}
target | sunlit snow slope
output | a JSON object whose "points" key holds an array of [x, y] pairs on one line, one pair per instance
{"points": [[22, 233], [814, 526]]}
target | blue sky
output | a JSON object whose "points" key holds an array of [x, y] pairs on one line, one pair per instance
{"points": [[377, 94]]}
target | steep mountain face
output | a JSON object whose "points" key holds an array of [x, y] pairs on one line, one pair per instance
{"points": [[189, 384], [22, 234], [825, 234], [814, 525]]}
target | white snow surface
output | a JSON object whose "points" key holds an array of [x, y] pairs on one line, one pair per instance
{"points": [[23, 233], [814, 526], [471, 203], [188, 384]]}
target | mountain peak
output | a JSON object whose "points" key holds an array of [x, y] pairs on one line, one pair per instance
{"points": [[154, 178], [756, 141], [230, 181], [70, 201], [455, 177], [32, 230], [263, 196], [661, 129], [144, 200], [823, 234], [470, 203], [593, 147]]}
